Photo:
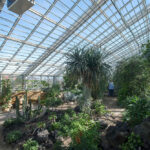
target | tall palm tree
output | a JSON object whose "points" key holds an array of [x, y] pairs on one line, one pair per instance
{"points": [[88, 66]]}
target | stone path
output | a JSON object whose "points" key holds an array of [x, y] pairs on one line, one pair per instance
{"points": [[116, 112]]}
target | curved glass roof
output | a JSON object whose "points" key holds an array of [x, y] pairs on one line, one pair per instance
{"points": [[36, 42]]}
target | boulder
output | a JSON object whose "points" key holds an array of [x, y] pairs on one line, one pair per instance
{"points": [[103, 124], [43, 135], [143, 130], [115, 136], [77, 109]]}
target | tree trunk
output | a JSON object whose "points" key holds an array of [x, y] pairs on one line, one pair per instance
{"points": [[87, 98]]}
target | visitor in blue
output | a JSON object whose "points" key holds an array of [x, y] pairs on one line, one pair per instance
{"points": [[111, 88]]}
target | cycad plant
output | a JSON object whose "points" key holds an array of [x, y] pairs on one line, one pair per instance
{"points": [[87, 65]]}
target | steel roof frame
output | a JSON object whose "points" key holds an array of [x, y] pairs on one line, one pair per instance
{"points": [[130, 43]]}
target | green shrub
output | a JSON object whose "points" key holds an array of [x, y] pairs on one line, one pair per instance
{"points": [[13, 136], [41, 125], [30, 145], [131, 78], [133, 143], [9, 123], [99, 108], [52, 97], [137, 110], [6, 91], [83, 131]]}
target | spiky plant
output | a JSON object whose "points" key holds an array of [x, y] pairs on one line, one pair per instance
{"points": [[88, 66]]}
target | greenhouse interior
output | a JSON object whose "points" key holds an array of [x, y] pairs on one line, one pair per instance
{"points": [[74, 74]]}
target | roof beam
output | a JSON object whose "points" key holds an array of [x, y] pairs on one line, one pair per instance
{"points": [[111, 22], [2, 2], [37, 25], [124, 21], [66, 35], [130, 41], [56, 25], [147, 17]]}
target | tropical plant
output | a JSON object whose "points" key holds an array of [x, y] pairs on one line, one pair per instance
{"points": [[30, 145], [87, 65], [137, 110]]}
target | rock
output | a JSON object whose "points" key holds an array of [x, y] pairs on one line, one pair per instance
{"points": [[103, 124], [43, 135], [115, 136], [143, 130], [77, 109]]}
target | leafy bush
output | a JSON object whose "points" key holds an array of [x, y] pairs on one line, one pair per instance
{"points": [[13, 136], [146, 50], [51, 98], [84, 133], [41, 125], [10, 123], [30, 145], [6, 91], [131, 78], [82, 130], [133, 143], [137, 110], [99, 108]]}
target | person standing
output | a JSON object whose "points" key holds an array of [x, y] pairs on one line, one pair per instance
{"points": [[111, 89]]}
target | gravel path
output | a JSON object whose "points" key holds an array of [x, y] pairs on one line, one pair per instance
{"points": [[116, 112]]}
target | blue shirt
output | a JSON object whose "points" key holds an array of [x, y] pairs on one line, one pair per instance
{"points": [[111, 86]]}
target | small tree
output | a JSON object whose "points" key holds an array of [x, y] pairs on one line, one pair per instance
{"points": [[88, 66]]}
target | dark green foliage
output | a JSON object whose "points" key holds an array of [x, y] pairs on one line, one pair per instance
{"points": [[13, 136], [69, 83], [10, 123], [30, 145], [58, 146], [131, 78], [137, 110], [52, 99], [134, 142], [146, 51], [6, 91]]}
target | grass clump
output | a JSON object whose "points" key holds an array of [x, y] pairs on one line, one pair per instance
{"points": [[30, 145], [12, 122], [13, 136], [134, 142]]}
